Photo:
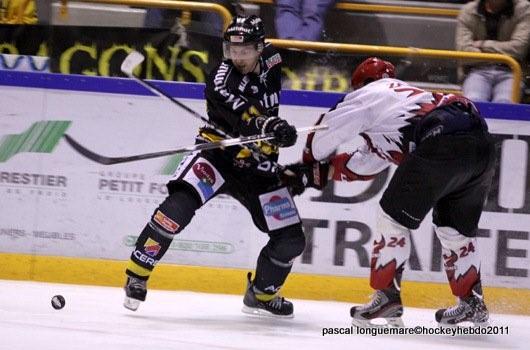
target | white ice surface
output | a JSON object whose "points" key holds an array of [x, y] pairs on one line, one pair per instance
{"points": [[94, 318]]}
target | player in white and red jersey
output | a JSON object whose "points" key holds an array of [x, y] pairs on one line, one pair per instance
{"points": [[445, 159]]}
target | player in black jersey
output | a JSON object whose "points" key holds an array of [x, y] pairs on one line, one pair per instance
{"points": [[242, 96]]}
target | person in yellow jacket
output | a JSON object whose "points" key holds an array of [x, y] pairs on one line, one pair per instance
{"points": [[18, 12]]}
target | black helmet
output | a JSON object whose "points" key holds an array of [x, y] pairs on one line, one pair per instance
{"points": [[245, 30]]}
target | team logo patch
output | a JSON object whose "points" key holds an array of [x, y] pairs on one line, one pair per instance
{"points": [[273, 60], [165, 222], [151, 247]]}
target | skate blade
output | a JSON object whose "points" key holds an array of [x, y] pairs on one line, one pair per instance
{"points": [[482, 324], [263, 313], [131, 304], [391, 322]]}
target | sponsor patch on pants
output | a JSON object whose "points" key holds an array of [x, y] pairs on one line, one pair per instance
{"points": [[279, 209], [165, 222], [205, 178]]}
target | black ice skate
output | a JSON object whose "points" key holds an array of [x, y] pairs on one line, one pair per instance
{"points": [[275, 307], [470, 310], [385, 304], [135, 292]]}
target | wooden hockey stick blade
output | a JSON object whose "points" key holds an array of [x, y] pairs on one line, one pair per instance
{"points": [[131, 61], [98, 158]]}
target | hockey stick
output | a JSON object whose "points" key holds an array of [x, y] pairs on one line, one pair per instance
{"points": [[132, 61], [198, 147]]}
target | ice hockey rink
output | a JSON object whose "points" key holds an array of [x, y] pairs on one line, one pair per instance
{"points": [[94, 318]]}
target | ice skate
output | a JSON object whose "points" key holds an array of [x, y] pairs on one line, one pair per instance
{"points": [[471, 310], [273, 306], [135, 292], [385, 304]]}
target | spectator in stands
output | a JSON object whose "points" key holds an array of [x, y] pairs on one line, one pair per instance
{"points": [[18, 12], [492, 26], [161, 18], [301, 19], [166, 18]]}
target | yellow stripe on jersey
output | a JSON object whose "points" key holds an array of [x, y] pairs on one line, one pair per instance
{"points": [[249, 114], [244, 153], [211, 137], [267, 148]]}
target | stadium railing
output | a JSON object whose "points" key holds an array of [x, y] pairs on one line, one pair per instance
{"points": [[403, 8], [344, 48], [165, 4]]}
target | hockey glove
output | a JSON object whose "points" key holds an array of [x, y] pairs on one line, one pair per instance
{"points": [[299, 176], [284, 134]]}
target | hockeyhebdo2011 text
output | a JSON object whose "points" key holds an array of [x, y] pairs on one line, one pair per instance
{"points": [[418, 330]]}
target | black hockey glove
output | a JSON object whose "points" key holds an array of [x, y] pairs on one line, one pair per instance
{"points": [[284, 134], [299, 176]]}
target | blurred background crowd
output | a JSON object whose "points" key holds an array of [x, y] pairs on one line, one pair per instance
{"points": [[479, 26]]}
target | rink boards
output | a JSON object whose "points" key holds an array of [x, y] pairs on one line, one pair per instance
{"points": [[67, 219]]}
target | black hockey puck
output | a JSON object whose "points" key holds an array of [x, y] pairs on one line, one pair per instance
{"points": [[58, 302]]}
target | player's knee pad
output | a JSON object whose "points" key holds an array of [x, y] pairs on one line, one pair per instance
{"points": [[286, 245], [461, 259], [175, 212], [391, 249], [450, 238]]}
